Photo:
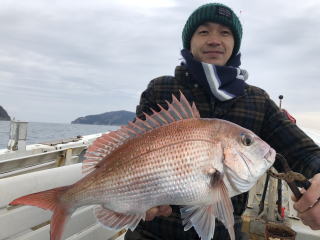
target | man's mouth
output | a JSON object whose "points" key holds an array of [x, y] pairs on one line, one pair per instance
{"points": [[213, 53]]}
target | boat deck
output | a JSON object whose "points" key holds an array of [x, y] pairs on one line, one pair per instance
{"points": [[45, 166]]}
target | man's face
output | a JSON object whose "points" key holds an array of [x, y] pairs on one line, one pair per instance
{"points": [[212, 43]]}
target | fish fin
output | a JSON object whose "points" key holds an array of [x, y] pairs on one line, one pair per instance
{"points": [[224, 210], [191, 110], [107, 143], [116, 221], [195, 111], [202, 218], [180, 109], [49, 200], [103, 146]]}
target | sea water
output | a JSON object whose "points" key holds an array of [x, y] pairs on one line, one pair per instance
{"points": [[45, 132]]}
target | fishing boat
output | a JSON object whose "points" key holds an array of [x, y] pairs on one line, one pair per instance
{"points": [[25, 169]]}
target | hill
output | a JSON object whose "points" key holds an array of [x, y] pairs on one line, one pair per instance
{"points": [[4, 115], [108, 118]]}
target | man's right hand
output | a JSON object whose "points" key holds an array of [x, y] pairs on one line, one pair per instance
{"points": [[308, 206], [165, 211]]}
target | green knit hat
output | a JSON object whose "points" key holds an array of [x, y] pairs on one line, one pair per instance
{"points": [[213, 12]]}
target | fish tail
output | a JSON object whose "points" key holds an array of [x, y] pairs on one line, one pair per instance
{"points": [[49, 200]]}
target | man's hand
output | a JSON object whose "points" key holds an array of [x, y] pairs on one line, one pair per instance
{"points": [[165, 210], [308, 206]]}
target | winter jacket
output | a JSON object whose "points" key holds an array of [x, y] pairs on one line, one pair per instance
{"points": [[255, 111]]}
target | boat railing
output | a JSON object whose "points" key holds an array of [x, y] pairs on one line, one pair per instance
{"points": [[43, 156], [36, 162], [27, 222], [44, 166], [254, 221]]}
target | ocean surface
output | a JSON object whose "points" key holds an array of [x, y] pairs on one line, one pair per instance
{"points": [[44, 132]]}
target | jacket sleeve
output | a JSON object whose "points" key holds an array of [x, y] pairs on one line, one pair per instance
{"points": [[302, 153], [147, 102]]}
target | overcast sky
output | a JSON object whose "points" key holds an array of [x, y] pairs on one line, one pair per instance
{"points": [[63, 59]]}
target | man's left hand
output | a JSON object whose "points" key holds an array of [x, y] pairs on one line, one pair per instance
{"points": [[308, 206]]}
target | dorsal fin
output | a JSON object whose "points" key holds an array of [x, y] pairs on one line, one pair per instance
{"points": [[107, 143]]}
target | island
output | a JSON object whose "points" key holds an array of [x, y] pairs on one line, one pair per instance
{"points": [[118, 118], [4, 116]]}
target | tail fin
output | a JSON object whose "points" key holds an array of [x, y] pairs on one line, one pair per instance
{"points": [[49, 200]]}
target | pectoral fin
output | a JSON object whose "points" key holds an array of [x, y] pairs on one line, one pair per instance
{"points": [[117, 221], [202, 218], [224, 209]]}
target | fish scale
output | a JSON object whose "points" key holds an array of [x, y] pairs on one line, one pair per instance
{"points": [[158, 163], [174, 157], [121, 162], [145, 175]]}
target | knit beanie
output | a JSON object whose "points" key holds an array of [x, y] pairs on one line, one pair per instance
{"points": [[213, 12]]}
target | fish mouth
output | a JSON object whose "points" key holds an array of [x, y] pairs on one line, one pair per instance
{"points": [[270, 156]]}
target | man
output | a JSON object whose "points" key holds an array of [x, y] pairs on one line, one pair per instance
{"points": [[210, 76]]}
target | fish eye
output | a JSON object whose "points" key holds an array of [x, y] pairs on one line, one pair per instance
{"points": [[246, 139]]}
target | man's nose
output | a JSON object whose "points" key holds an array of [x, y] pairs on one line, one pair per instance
{"points": [[213, 39]]}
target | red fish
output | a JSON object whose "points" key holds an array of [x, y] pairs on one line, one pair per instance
{"points": [[174, 157]]}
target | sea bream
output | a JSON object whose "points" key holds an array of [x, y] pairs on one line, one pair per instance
{"points": [[173, 157]]}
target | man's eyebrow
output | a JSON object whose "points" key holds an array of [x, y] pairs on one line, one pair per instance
{"points": [[205, 24]]}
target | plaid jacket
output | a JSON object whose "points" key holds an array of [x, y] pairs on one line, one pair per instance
{"points": [[255, 111]]}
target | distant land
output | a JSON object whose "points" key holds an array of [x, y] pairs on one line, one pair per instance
{"points": [[4, 116], [109, 118]]}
